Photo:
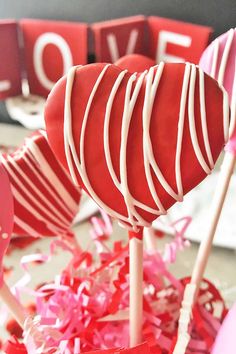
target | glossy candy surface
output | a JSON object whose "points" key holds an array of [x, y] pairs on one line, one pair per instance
{"points": [[137, 143], [45, 199]]}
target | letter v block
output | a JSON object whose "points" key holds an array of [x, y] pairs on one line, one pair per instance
{"points": [[10, 68], [116, 38], [50, 49], [175, 41]]}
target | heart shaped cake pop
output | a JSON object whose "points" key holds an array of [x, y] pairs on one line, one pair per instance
{"points": [[6, 216], [135, 63], [137, 143], [45, 199]]}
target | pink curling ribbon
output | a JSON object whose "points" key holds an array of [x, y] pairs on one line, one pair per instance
{"points": [[86, 306]]}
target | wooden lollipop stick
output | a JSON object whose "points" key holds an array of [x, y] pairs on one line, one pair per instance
{"points": [[149, 238], [136, 287], [191, 290], [14, 306], [214, 215]]}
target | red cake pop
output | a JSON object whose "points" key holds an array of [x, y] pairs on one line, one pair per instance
{"points": [[45, 199], [135, 63], [137, 143]]}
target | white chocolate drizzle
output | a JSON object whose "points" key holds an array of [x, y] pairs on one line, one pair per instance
{"points": [[220, 76], [152, 77], [57, 212]]}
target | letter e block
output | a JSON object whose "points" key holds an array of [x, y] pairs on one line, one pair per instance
{"points": [[175, 41]]}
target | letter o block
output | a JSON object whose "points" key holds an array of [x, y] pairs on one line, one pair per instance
{"points": [[50, 49]]}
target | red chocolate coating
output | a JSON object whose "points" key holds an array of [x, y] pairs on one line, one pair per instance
{"points": [[46, 216], [163, 132], [135, 63]]}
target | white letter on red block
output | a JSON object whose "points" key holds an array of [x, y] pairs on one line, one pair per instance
{"points": [[176, 41], [10, 68], [41, 42], [170, 37], [116, 38], [113, 46], [51, 48]]}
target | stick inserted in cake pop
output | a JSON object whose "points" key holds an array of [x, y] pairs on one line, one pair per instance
{"points": [[136, 143], [136, 286], [219, 61]]}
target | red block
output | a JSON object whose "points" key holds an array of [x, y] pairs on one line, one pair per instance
{"points": [[116, 38], [175, 41], [51, 48], [10, 68]]}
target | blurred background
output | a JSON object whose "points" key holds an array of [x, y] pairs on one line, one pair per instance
{"points": [[214, 13]]}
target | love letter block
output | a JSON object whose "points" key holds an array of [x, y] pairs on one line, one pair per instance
{"points": [[116, 38], [10, 68], [51, 48], [175, 41]]}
